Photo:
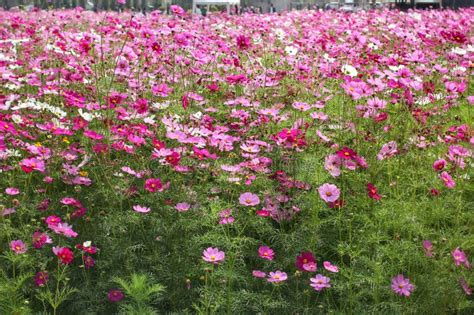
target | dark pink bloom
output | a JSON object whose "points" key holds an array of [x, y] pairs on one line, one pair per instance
{"points": [[373, 192], [41, 278], [153, 185], [439, 165], [64, 254], [115, 295], [303, 259], [460, 258], [266, 252]]}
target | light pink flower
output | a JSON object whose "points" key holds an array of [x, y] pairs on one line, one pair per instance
{"points": [[12, 191], [259, 274], [329, 192], [213, 255], [18, 247], [277, 276], [249, 199], [182, 206], [141, 209], [330, 267], [320, 282]]}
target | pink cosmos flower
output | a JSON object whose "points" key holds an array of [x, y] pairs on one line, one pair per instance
{"points": [[41, 278], [329, 192], [330, 267], [64, 254], [18, 247], [213, 255], [266, 252], [447, 180], [12, 191], [465, 286], [259, 274], [153, 185], [373, 192], [428, 247], [460, 258], [141, 209], [402, 286], [115, 295], [39, 239], [305, 261], [182, 206], [32, 164], [249, 199], [439, 165], [277, 276], [226, 217], [320, 282], [310, 266]]}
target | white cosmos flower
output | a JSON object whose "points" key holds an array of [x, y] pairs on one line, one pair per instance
{"points": [[349, 70]]}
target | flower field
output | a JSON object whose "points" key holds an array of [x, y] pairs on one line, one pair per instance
{"points": [[298, 163]]}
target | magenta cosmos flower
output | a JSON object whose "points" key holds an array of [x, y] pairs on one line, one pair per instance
{"points": [[460, 258], [320, 282], [153, 185], [115, 295], [249, 199], [447, 180], [18, 247], [213, 255], [329, 192], [266, 252], [402, 285], [277, 276], [306, 262]]}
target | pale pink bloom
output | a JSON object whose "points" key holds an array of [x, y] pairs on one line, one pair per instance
{"points": [[141, 209], [329, 192], [465, 286], [259, 274], [18, 247], [182, 206], [12, 191], [277, 276], [249, 199], [320, 282], [310, 266], [330, 267], [213, 255]]}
